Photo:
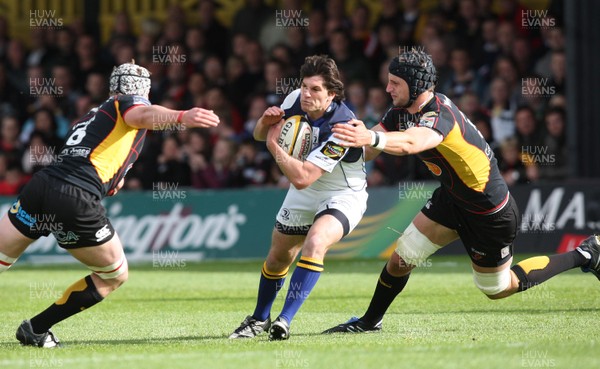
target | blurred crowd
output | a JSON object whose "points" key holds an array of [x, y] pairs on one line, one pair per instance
{"points": [[506, 76]]}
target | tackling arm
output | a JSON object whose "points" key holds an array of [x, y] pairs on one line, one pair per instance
{"points": [[146, 116], [411, 141]]}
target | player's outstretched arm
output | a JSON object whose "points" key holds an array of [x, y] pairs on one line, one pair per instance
{"points": [[300, 173], [270, 117], [146, 117], [412, 141]]}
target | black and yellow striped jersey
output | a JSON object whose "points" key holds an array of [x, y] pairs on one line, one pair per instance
{"points": [[463, 162], [100, 147]]}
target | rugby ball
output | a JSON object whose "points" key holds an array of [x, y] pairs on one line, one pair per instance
{"points": [[296, 137]]}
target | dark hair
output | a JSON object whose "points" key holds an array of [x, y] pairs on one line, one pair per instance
{"points": [[556, 110], [325, 67], [525, 108]]}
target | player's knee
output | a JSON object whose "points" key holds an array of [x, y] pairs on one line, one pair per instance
{"points": [[6, 262], [278, 262], [113, 275], [398, 267], [414, 248], [494, 285]]}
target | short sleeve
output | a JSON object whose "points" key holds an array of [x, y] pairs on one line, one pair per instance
{"points": [[328, 154]]}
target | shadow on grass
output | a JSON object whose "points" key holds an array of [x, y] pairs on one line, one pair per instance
{"points": [[145, 341]]}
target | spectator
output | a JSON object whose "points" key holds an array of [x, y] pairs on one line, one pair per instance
{"points": [[43, 123], [470, 105], [197, 48], [171, 166], [378, 103], [463, 78], [251, 18], [554, 142], [196, 88], [251, 166], [218, 172], [527, 131], [39, 153], [216, 35], [13, 181], [558, 68], [216, 100], [258, 104], [352, 66], [469, 25], [390, 14], [410, 20], [502, 110], [96, 87], [316, 39], [357, 98], [511, 166], [554, 40], [88, 60], [485, 56], [254, 59], [273, 86], [9, 135], [439, 56], [15, 65]]}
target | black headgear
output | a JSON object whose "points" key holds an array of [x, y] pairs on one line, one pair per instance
{"points": [[417, 69]]}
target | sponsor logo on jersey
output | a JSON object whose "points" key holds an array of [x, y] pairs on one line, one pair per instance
{"points": [[433, 168], [333, 151], [103, 233], [428, 119], [77, 151]]}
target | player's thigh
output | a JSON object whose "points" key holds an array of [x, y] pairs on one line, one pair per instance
{"points": [[101, 255], [434, 231], [12, 242]]}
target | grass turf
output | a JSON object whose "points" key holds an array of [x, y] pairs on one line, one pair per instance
{"points": [[180, 317]]}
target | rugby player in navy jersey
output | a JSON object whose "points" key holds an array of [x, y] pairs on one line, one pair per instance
{"points": [[326, 200], [64, 198], [473, 202]]}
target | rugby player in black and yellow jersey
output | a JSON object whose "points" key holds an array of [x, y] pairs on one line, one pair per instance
{"points": [[472, 203], [64, 199]]}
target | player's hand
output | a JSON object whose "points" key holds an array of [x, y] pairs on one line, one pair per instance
{"points": [[199, 118], [353, 134], [272, 116], [273, 135]]}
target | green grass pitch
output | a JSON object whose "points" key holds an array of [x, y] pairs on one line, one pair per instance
{"points": [[180, 317]]}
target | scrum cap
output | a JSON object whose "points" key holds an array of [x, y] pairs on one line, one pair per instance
{"points": [[417, 69], [130, 79]]}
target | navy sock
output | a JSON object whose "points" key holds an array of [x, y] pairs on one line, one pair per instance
{"points": [[303, 280], [268, 287]]}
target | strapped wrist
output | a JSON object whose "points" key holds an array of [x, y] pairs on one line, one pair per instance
{"points": [[378, 140]]}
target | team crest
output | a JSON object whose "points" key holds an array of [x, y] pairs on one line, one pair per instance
{"points": [[433, 168]]}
